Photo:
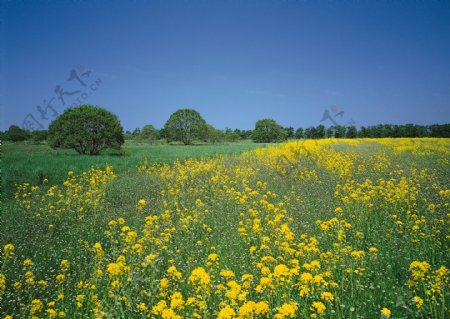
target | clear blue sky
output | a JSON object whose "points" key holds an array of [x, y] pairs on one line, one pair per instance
{"points": [[233, 61]]}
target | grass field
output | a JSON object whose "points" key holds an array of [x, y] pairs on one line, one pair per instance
{"points": [[305, 229], [23, 162]]}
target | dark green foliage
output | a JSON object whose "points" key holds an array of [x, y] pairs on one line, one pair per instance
{"points": [[213, 135], [320, 131], [185, 125], [437, 130], [290, 132], [375, 131], [16, 134], [351, 132], [268, 131], [39, 136], [136, 132], [87, 129], [149, 134], [310, 132]]}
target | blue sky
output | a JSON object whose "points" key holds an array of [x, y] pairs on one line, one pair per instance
{"points": [[233, 61]]}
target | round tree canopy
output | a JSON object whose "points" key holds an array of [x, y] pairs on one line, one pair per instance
{"points": [[87, 129]]}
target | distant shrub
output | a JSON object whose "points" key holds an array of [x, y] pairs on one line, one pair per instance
{"points": [[16, 134]]}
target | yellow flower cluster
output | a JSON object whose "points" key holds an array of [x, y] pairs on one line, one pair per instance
{"points": [[430, 286], [79, 193]]}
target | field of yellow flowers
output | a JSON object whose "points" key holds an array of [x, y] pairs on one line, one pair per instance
{"points": [[306, 229]]}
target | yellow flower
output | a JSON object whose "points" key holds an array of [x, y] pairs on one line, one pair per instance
{"points": [[36, 306], [159, 308], [174, 273], [137, 248], [141, 204], [27, 263], [287, 310], [2, 283], [306, 277], [318, 307], [141, 306], [234, 290], [199, 277], [418, 301], [385, 312], [228, 274], [98, 249], [64, 265], [327, 296], [8, 250], [199, 202], [419, 269], [213, 257], [148, 260], [264, 283], [176, 301], [281, 271], [131, 236], [164, 284], [226, 313], [190, 301], [358, 254], [261, 308], [115, 269], [42, 284]]}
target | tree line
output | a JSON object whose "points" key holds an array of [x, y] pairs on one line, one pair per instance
{"points": [[89, 129]]}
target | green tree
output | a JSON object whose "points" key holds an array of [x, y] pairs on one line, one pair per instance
{"points": [[267, 131], [309, 132], [320, 131], [299, 133], [290, 132], [363, 132], [185, 125], [339, 131], [149, 134], [136, 132], [16, 134], [39, 136], [213, 135], [87, 129], [232, 136], [351, 132], [329, 132]]}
